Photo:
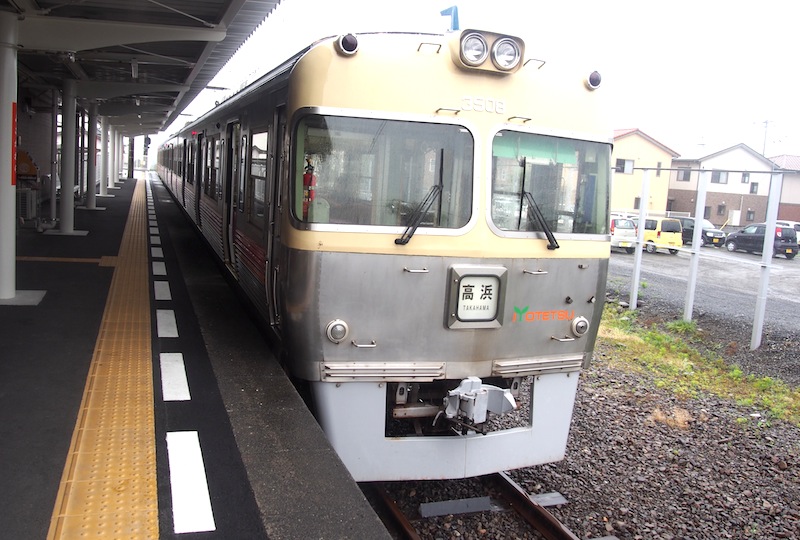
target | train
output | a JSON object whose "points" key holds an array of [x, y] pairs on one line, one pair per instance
{"points": [[421, 221]]}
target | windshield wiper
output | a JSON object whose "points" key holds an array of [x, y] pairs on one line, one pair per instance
{"points": [[418, 214], [420, 211], [534, 214]]}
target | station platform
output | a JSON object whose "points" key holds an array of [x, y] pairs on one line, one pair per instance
{"points": [[138, 399]]}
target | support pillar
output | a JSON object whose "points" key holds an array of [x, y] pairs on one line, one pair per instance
{"points": [[117, 177], [112, 158], [67, 202], [81, 168], [54, 158], [104, 157], [8, 154], [131, 163], [68, 165], [91, 159], [8, 136], [637, 257]]}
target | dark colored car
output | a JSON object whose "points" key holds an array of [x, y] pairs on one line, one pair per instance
{"points": [[711, 236], [751, 239]]}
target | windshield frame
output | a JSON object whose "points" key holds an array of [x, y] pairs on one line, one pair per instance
{"points": [[582, 137], [393, 230]]}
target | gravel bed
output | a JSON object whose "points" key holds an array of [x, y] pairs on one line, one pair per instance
{"points": [[644, 464]]}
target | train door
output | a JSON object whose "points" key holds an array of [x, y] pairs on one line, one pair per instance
{"points": [[230, 192], [273, 217]]}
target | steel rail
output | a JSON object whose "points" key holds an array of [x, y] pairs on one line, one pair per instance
{"points": [[534, 513], [397, 515]]}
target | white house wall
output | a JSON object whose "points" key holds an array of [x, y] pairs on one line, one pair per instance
{"points": [[791, 188], [739, 159]]}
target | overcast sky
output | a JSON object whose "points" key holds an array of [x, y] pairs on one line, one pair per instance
{"points": [[696, 75]]}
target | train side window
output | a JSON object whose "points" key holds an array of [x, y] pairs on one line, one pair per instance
{"points": [[242, 180], [212, 164], [191, 163], [179, 160], [208, 151], [219, 151], [259, 162]]}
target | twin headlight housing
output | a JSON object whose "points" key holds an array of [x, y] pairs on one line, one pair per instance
{"points": [[490, 51]]}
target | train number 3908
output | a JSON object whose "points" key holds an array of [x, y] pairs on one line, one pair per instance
{"points": [[483, 104]]}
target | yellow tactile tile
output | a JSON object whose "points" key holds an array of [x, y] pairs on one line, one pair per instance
{"points": [[108, 488]]}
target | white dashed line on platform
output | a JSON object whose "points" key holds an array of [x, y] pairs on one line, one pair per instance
{"points": [[191, 503], [166, 324], [174, 385]]}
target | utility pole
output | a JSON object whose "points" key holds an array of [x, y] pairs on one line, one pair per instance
{"points": [[764, 148]]}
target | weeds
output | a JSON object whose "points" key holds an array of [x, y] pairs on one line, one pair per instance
{"points": [[670, 353]]}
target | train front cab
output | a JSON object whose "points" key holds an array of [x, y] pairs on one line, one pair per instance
{"points": [[435, 240], [427, 255]]}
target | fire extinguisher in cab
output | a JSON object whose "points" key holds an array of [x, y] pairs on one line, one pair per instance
{"points": [[309, 185]]}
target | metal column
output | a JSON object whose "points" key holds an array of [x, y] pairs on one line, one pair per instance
{"points": [[91, 159], [637, 259], [67, 202], [8, 153], [112, 158], [131, 163], [8, 187], [775, 185], [694, 264], [104, 157], [54, 159]]}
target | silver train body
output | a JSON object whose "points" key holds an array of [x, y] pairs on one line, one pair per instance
{"points": [[432, 263]]}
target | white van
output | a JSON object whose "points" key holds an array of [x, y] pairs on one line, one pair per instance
{"points": [[623, 234]]}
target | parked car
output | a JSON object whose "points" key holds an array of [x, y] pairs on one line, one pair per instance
{"points": [[711, 236], [751, 239], [793, 224], [662, 233], [623, 234]]}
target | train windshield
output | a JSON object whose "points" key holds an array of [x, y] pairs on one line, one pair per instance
{"points": [[567, 179], [364, 171]]}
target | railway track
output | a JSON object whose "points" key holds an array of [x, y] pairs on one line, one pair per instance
{"points": [[504, 495]]}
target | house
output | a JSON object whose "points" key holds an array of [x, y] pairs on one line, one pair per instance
{"points": [[790, 194], [634, 150], [738, 190]]}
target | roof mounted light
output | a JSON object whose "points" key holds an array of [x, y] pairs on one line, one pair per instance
{"points": [[474, 49], [506, 54], [347, 44], [593, 81]]}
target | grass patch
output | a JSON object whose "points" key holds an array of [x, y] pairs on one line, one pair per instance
{"points": [[669, 352]]}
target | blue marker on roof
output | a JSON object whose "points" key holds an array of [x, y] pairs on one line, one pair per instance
{"points": [[453, 13]]}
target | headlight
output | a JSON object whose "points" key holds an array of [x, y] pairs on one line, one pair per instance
{"points": [[474, 49], [337, 330], [506, 54], [580, 326]]}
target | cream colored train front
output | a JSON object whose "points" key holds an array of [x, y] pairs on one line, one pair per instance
{"points": [[446, 249]]}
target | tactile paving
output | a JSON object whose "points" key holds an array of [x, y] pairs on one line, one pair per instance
{"points": [[108, 488]]}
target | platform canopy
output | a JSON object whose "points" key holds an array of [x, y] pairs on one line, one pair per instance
{"points": [[142, 61]]}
